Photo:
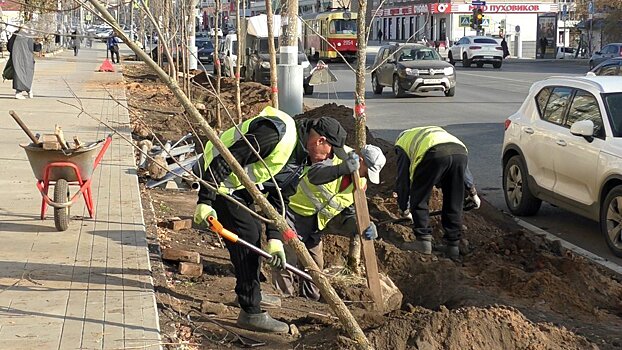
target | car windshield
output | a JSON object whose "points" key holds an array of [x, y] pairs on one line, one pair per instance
{"points": [[205, 44], [417, 54], [343, 26], [263, 45], [613, 103], [485, 41]]}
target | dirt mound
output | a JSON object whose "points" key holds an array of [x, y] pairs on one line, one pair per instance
{"points": [[254, 96], [472, 328]]}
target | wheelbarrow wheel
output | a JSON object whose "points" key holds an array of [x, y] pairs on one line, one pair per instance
{"points": [[61, 195]]}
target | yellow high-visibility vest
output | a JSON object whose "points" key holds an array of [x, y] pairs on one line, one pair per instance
{"points": [[274, 162], [417, 141], [324, 200]]}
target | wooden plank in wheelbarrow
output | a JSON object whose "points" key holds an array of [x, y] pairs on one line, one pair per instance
{"points": [[50, 142]]}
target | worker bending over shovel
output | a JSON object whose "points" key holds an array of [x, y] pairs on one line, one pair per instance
{"points": [[285, 147], [324, 203], [426, 157]]}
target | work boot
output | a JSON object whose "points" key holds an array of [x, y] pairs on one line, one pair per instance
{"points": [[422, 245], [261, 322], [267, 301], [451, 249]]}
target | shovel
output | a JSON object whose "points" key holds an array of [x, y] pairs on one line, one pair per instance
{"points": [[217, 227]]}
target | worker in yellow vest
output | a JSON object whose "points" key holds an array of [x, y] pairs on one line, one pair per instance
{"points": [[324, 203], [285, 147], [427, 157]]}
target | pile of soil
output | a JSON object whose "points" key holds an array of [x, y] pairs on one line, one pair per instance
{"points": [[512, 289], [149, 98], [254, 96]]}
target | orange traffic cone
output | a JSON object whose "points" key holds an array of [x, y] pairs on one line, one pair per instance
{"points": [[106, 66]]}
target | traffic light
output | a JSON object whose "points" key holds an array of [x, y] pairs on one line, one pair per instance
{"points": [[479, 17]]}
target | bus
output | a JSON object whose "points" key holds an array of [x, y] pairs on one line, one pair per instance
{"points": [[338, 26]]}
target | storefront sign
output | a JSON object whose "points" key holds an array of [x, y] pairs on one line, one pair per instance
{"points": [[405, 11], [506, 8]]}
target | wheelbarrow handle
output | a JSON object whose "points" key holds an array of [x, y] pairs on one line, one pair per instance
{"points": [[101, 153]]}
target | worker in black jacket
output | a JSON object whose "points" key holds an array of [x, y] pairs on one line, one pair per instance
{"points": [[427, 157], [285, 147]]}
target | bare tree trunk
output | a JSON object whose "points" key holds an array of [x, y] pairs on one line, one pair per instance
{"points": [[274, 91], [217, 63], [354, 254], [337, 305], [238, 30]]}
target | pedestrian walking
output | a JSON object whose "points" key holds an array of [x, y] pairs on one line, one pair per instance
{"points": [[426, 157], [380, 35], [113, 47], [504, 47], [285, 147], [75, 42], [21, 49], [543, 45], [324, 203]]}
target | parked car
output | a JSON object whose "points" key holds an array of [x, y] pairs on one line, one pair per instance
{"points": [[564, 52], [476, 49], [564, 146], [205, 49], [609, 67], [607, 52], [412, 68], [104, 34]]}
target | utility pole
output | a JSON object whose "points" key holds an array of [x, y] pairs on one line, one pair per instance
{"points": [[192, 63], [289, 72]]}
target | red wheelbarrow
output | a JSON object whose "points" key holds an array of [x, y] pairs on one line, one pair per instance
{"points": [[62, 168]]}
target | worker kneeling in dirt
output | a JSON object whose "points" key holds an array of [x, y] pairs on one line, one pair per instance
{"points": [[285, 147], [324, 203], [427, 157]]}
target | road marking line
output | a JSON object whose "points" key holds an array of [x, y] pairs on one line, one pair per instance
{"points": [[577, 250], [499, 78]]}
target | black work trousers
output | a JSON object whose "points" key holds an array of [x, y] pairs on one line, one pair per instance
{"points": [[245, 262], [446, 172]]}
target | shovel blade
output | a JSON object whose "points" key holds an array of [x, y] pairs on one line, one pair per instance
{"points": [[321, 74]]}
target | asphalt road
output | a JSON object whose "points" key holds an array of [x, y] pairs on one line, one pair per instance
{"points": [[484, 99]]}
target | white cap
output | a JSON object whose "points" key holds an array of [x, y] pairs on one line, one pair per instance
{"points": [[375, 161]]}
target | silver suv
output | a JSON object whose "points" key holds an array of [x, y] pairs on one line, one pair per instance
{"points": [[564, 146]]}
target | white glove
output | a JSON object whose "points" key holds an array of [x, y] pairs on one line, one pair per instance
{"points": [[350, 164], [476, 201], [406, 214]]}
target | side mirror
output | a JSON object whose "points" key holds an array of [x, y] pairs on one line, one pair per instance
{"points": [[456, 43], [391, 60], [598, 53], [583, 128]]}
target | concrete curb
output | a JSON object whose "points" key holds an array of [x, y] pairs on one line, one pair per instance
{"points": [[577, 62], [575, 249]]}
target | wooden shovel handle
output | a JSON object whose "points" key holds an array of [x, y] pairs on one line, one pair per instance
{"points": [[24, 127]]}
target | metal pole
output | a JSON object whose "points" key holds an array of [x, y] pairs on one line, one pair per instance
{"points": [[289, 73], [192, 63]]}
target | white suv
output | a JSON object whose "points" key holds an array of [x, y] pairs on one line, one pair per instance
{"points": [[478, 50], [564, 146]]}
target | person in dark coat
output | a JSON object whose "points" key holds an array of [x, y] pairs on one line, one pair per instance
{"points": [[504, 46], [21, 46], [380, 35], [113, 47], [543, 45], [75, 42]]}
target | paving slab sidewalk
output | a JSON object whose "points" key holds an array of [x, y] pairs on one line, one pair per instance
{"points": [[88, 287]]}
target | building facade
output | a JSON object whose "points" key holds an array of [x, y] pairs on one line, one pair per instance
{"points": [[522, 23]]}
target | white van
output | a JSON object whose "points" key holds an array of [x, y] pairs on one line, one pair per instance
{"points": [[229, 55]]}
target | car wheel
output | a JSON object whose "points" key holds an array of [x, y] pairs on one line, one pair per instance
{"points": [[451, 59], [480, 65], [451, 92], [518, 196], [308, 89], [466, 62], [397, 89], [376, 85], [496, 65], [611, 220]]}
